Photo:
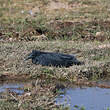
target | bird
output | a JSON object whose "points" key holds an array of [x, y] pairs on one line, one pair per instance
{"points": [[52, 59]]}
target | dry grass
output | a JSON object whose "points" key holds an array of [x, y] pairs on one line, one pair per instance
{"points": [[66, 26], [13, 54], [63, 19]]}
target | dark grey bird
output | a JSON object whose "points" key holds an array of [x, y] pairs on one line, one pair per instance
{"points": [[52, 59]]}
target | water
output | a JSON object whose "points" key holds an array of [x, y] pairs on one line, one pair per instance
{"points": [[13, 87], [92, 98]]}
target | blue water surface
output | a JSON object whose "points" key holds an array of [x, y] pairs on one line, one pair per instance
{"points": [[13, 87], [92, 98]]}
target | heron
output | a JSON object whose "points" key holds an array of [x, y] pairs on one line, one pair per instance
{"points": [[52, 59]]}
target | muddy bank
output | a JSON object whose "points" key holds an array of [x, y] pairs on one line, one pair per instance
{"points": [[34, 94], [41, 94]]}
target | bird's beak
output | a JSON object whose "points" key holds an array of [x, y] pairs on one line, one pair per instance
{"points": [[29, 57]]}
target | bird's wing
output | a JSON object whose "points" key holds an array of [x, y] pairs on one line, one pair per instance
{"points": [[48, 59], [69, 59], [66, 57], [56, 57]]}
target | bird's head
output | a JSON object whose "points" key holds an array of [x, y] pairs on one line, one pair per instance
{"points": [[33, 54]]}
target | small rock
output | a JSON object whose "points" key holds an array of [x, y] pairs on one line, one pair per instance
{"points": [[101, 36], [22, 11], [30, 12], [104, 46], [10, 39], [27, 94]]}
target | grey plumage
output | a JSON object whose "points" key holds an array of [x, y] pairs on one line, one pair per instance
{"points": [[52, 59]]}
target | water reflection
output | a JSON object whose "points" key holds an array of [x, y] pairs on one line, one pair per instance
{"points": [[92, 98], [13, 87]]}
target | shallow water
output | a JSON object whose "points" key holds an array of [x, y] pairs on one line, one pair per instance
{"points": [[13, 87], [92, 98]]}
